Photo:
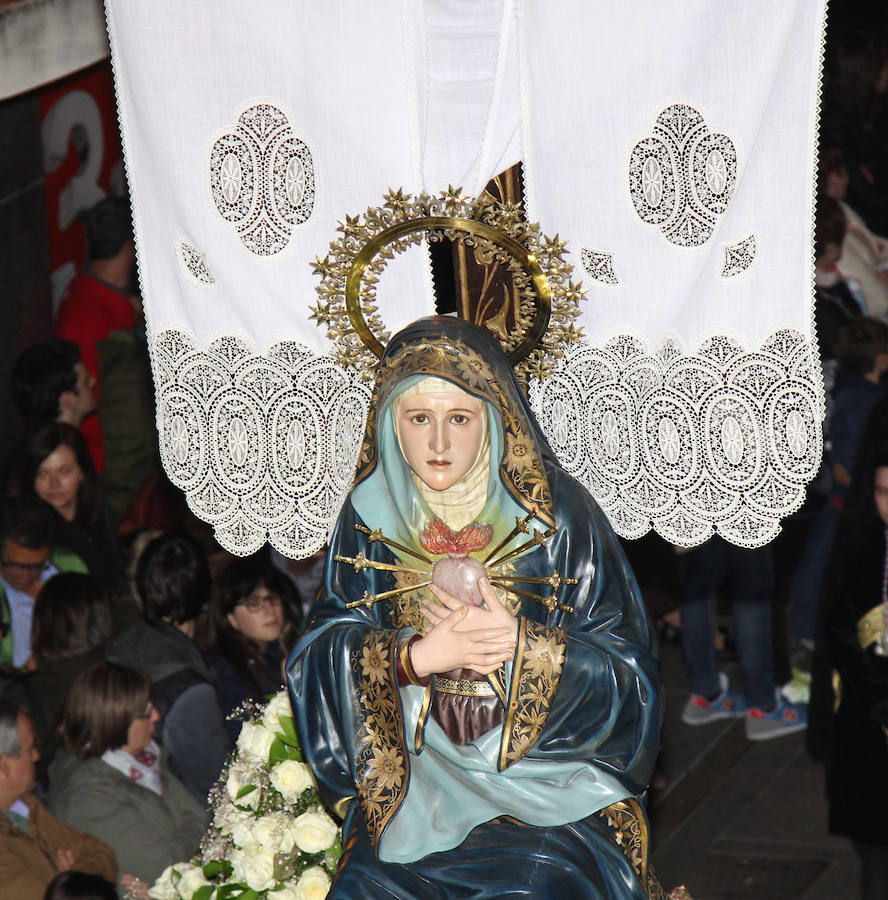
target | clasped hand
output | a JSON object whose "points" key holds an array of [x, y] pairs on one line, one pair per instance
{"points": [[464, 636]]}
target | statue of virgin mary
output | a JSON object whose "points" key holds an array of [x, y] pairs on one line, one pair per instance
{"points": [[476, 691]]}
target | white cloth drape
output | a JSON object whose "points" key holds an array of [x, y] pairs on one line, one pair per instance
{"points": [[670, 143]]}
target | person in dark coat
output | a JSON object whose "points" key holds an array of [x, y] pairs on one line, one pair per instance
{"points": [[856, 643], [174, 584], [71, 625], [254, 633], [57, 468]]}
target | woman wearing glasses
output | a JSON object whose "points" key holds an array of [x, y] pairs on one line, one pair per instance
{"points": [[250, 610], [111, 779]]}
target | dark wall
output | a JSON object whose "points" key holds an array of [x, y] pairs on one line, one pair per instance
{"points": [[25, 294]]}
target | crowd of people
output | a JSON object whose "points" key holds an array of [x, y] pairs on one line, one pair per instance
{"points": [[126, 638]]}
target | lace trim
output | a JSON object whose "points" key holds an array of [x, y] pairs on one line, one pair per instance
{"points": [[194, 265], [264, 446], [738, 257], [682, 177], [599, 264], [262, 179], [723, 439]]}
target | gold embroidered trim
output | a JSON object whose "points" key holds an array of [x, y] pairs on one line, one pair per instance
{"points": [[871, 626], [419, 736], [381, 765], [464, 687], [539, 659], [497, 681], [626, 821]]}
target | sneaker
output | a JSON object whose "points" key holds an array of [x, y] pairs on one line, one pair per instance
{"points": [[700, 711], [786, 718]]}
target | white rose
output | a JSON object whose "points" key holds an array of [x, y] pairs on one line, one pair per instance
{"points": [[291, 778], [228, 816], [163, 889], [239, 775], [254, 865], [314, 884], [192, 879], [278, 706], [283, 894], [275, 832], [242, 833], [315, 831], [254, 742]]}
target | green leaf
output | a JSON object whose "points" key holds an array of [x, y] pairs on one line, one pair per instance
{"points": [[288, 726], [230, 891], [203, 893], [246, 789], [216, 867], [332, 855], [280, 751]]}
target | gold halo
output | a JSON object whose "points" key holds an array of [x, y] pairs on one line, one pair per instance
{"points": [[350, 270], [425, 224]]}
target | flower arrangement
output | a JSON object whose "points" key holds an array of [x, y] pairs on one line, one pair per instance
{"points": [[270, 837]]}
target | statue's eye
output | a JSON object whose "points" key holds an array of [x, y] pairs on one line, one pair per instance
{"points": [[459, 419], [419, 419]]}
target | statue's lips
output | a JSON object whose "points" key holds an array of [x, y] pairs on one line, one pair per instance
{"points": [[439, 463]]}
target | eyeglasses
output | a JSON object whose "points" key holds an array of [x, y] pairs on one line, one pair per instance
{"points": [[256, 602], [149, 712], [38, 568]]}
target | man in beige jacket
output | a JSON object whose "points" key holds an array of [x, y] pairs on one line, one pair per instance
{"points": [[34, 845]]}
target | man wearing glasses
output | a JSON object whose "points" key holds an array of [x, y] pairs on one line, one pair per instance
{"points": [[27, 560]]}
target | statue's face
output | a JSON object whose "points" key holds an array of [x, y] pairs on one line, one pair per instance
{"points": [[441, 435]]}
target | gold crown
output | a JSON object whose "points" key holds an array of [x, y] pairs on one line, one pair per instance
{"points": [[496, 232]]}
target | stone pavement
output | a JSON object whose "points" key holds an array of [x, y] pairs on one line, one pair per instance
{"points": [[738, 819]]}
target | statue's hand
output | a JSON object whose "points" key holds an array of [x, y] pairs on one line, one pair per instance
{"points": [[495, 616], [444, 648]]}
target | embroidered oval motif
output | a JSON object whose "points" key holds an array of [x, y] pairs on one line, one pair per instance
{"points": [[231, 177], [652, 181], [295, 444], [178, 439], [238, 441], [346, 437], [607, 439], [796, 434], [794, 423], [716, 172], [610, 434], [558, 421], [669, 440], [294, 181], [732, 440]]}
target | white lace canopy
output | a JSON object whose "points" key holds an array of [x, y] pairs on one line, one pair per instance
{"points": [[673, 150]]}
